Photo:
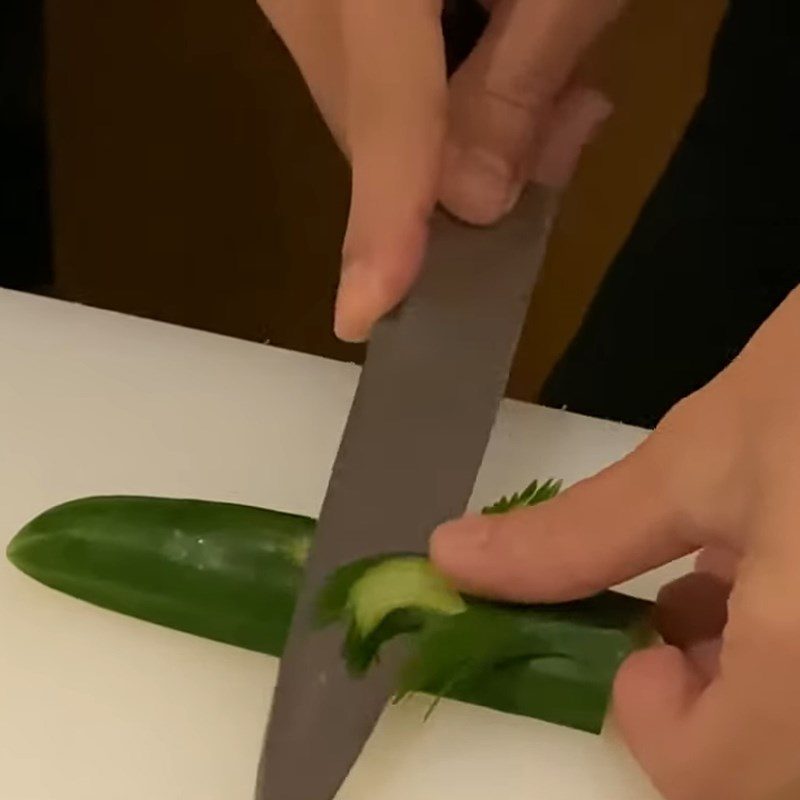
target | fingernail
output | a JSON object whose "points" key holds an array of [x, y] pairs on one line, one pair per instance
{"points": [[577, 121], [470, 533], [705, 657], [478, 185], [355, 302]]}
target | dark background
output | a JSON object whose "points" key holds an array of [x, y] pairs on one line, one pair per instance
{"points": [[163, 159], [25, 232]]}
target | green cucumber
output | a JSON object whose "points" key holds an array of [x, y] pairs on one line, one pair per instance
{"points": [[484, 652], [224, 572], [394, 583], [231, 573]]}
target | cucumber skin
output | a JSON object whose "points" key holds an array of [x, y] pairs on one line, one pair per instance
{"points": [[221, 571], [231, 573]]}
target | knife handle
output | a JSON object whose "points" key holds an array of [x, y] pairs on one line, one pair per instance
{"points": [[463, 23]]}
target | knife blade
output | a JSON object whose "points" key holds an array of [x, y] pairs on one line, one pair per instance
{"points": [[423, 411]]}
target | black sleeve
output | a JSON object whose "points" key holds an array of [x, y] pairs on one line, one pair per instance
{"points": [[24, 196], [463, 22], [715, 249]]}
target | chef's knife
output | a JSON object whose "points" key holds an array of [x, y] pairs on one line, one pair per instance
{"points": [[435, 373]]}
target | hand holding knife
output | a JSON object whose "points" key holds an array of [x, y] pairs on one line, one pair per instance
{"points": [[435, 373]]}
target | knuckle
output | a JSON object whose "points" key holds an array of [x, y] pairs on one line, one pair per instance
{"points": [[540, 560], [516, 88], [696, 452], [573, 573], [669, 774], [531, 93], [721, 777]]}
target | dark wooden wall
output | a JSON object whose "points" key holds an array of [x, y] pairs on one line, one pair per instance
{"points": [[194, 182]]}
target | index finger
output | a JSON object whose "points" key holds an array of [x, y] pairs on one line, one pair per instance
{"points": [[395, 121]]}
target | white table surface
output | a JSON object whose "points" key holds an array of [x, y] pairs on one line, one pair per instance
{"points": [[97, 706]]}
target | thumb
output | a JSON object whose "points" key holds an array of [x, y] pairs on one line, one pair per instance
{"points": [[395, 122], [598, 533]]}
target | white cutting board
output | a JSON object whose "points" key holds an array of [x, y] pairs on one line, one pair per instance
{"points": [[96, 706]]}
